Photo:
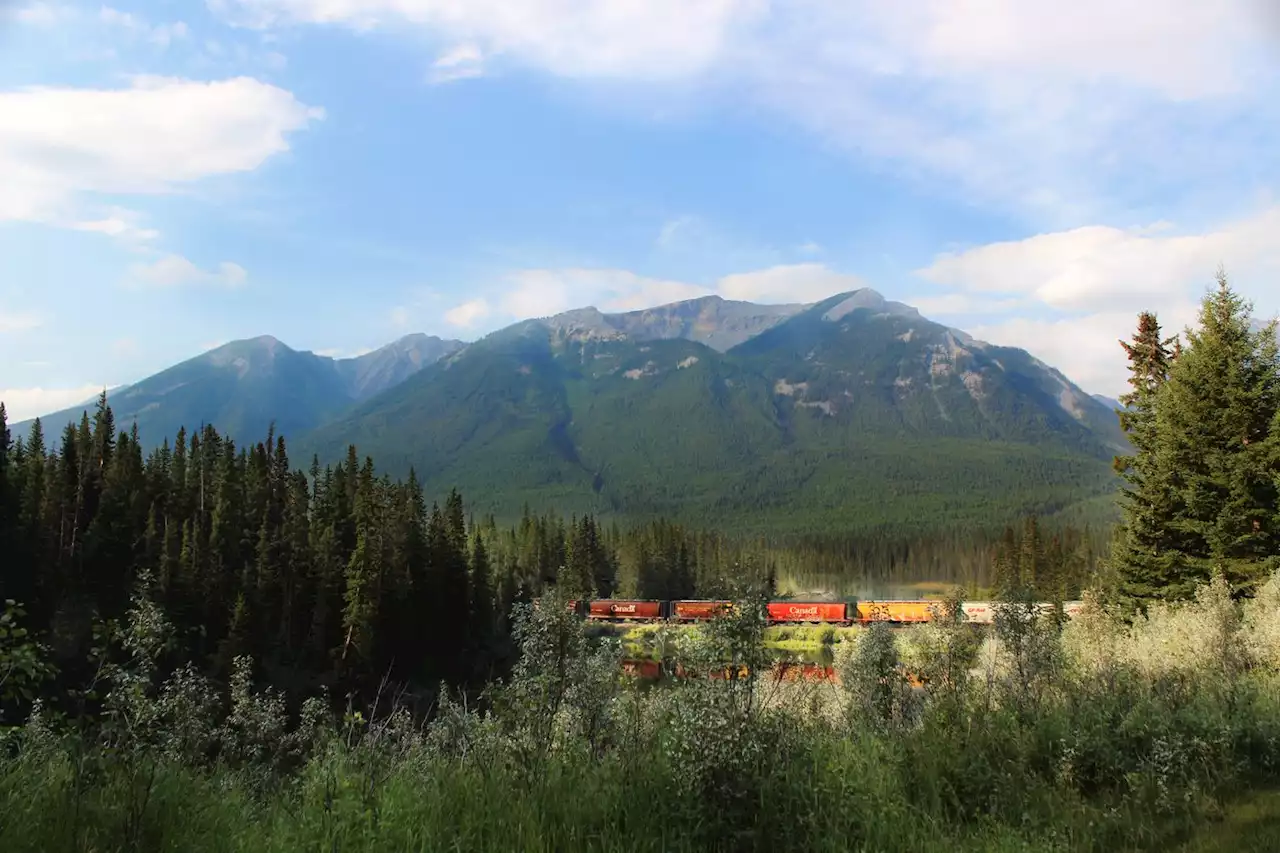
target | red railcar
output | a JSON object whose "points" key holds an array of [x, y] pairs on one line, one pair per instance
{"points": [[808, 611], [612, 609], [804, 672], [699, 609], [643, 668]]}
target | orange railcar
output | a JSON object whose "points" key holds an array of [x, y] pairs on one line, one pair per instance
{"points": [[687, 610], [894, 611]]}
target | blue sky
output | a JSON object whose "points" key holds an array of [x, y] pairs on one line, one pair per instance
{"points": [[338, 173]]}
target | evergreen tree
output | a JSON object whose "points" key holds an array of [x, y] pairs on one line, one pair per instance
{"points": [[1006, 579], [1213, 419], [1198, 492], [9, 573], [483, 627], [1030, 565], [1140, 553]]}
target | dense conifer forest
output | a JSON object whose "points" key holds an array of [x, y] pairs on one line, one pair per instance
{"points": [[340, 576]]}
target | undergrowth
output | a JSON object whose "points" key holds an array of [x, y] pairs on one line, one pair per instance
{"points": [[1094, 735]]}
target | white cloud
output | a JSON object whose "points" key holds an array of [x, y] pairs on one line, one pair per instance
{"points": [[399, 316], [543, 292], [126, 24], [1128, 269], [673, 229], [1065, 113], [1085, 348], [23, 403], [59, 144], [18, 322], [462, 62], [961, 304], [468, 313], [176, 271], [124, 347], [658, 39], [161, 35], [38, 14], [339, 353], [788, 283], [119, 223], [1092, 282]]}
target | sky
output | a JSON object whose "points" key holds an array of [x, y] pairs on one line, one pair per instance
{"points": [[339, 173]]}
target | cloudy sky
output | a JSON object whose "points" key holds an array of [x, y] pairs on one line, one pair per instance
{"points": [[338, 173]]}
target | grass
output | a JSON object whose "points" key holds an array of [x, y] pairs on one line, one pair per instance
{"points": [[1250, 824]]}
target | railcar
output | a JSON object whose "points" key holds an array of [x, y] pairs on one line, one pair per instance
{"points": [[979, 612], [809, 611], [617, 610], [894, 611], [698, 610], [643, 668]]}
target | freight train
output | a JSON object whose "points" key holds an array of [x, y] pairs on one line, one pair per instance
{"points": [[792, 612]]}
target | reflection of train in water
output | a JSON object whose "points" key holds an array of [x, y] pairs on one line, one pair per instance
{"points": [[793, 612], [654, 670]]}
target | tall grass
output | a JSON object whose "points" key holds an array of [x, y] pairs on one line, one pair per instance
{"points": [[1100, 735]]}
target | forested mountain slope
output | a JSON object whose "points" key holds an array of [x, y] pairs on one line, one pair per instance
{"points": [[852, 413]]}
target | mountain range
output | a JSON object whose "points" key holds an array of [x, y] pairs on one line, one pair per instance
{"points": [[851, 413], [243, 386]]}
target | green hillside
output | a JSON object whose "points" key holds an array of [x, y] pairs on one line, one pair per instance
{"points": [[852, 414]]}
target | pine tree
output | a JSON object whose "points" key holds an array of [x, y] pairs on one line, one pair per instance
{"points": [[1029, 555], [1141, 554], [33, 545], [8, 516], [1005, 565], [482, 618], [576, 577], [1214, 418], [1198, 489]]}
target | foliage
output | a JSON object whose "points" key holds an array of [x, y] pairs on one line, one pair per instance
{"points": [[24, 663]]}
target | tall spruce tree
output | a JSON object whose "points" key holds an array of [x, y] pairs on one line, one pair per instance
{"points": [[1203, 494], [8, 513], [483, 625], [1142, 559]]}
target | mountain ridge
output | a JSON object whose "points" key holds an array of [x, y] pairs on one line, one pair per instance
{"points": [[244, 385]]}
